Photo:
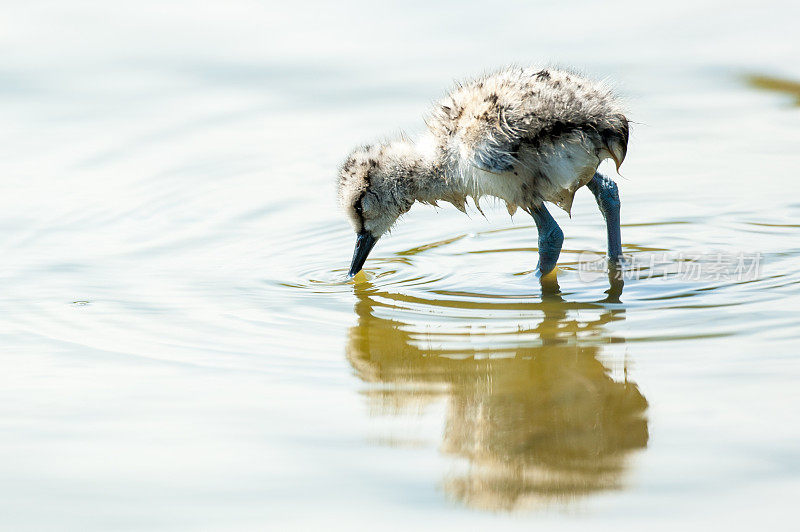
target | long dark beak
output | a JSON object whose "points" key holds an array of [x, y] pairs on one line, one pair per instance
{"points": [[364, 244]]}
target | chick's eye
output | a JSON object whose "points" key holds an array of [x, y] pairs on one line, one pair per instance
{"points": [[367, 205], [366, 201]]}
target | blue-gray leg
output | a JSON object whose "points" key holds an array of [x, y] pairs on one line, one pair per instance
{"points": [[607, 196], [551, 237]]}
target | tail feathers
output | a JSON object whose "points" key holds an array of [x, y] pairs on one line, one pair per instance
{"points": [[615, 139]]}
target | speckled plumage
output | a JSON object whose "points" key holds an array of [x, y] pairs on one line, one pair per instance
{"points": [[524, 135], [544, 131]]}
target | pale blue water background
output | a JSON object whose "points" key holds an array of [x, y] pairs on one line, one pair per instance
{"points": [[178, 352]]}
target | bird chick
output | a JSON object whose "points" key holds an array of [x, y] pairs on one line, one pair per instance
{"points": [[523, 135]]}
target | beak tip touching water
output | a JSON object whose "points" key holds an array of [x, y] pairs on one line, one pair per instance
{"points": [[364, 244]]}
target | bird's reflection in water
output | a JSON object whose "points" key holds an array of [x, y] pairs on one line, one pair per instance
{"points": [[533, 411]]}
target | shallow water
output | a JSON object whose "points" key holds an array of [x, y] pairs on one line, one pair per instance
{"points": [[181, 348]]}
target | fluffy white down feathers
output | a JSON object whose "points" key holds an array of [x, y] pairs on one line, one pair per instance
{"points": [[523, 135]]}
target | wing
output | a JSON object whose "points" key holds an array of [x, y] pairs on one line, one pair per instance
{"points": [[488, 121], [478, 129]]}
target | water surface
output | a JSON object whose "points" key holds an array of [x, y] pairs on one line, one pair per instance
{"points": [[181, 348]]}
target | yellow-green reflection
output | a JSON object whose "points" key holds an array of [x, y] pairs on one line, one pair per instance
{"points": [[533, 411], [774, 84]]}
